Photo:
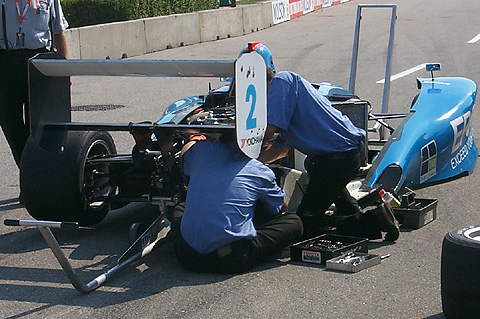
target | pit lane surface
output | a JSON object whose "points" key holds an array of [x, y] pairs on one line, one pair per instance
{"points": [[317, 46]]}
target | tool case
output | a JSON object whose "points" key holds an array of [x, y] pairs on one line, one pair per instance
{"points": [[319, 249]]}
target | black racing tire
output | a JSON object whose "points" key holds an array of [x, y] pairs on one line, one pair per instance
{"points": [[460, 282], [53, 185], [135, 231]]}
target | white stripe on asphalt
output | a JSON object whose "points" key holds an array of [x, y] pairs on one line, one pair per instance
{"points": [[404, 73], [475, 39]]}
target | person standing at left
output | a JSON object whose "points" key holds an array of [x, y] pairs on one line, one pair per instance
{"points": [[25, 30]]}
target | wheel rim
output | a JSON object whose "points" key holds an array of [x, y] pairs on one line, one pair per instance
{"points": [[92, 183], [473, 233]]}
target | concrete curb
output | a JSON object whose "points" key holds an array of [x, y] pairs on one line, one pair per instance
{"points": [[132, 38]]}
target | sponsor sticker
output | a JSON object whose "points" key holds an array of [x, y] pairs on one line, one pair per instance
{"points": [[327, 3], [281, 11], [428, 167], [462, 139], [311, 257], [428, 217], [307, 6]]}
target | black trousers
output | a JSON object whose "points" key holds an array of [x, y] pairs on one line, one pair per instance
{"points": [[272, 236], [14, 104], [329, 175]]}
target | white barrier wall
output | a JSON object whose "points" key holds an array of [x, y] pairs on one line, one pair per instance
{"points": [[219, 24], [131, 38], [257, 17], [113, 40], [171, 31]]}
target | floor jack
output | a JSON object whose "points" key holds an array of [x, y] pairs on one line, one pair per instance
{"points": [[142, 246]]}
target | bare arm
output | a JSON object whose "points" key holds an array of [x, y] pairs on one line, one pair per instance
{"points": [[61, 44], [270, 153], [269, 131]]}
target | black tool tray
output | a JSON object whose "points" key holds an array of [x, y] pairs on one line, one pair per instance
{"points": [[317, 250], [417, 214]]}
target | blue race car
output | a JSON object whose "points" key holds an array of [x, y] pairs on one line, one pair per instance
{"points": [[71, 172]]}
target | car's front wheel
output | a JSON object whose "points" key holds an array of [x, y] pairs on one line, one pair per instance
{"points": [[59, 186]]}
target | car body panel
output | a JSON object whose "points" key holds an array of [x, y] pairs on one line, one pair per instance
{"points": [[434, 143]]}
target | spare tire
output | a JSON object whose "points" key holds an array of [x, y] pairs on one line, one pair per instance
{"points": [[54, 185], [460, 280]]}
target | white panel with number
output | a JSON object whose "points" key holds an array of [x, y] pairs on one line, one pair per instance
{"points": [[251, 102]]}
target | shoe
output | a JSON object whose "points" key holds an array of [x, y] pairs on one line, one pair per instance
{"points": [[387, 222]]}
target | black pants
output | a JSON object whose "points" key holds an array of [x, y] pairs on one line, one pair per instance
{"points": [[14, 104], [272, 236], [329, 175]]}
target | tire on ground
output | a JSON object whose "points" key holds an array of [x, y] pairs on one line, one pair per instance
{"points": [[54, 185], [460, 282], [135, 231]]}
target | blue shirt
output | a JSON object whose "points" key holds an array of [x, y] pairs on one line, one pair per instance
{"points": [[34, 24], [307, 119], [223, 189]]}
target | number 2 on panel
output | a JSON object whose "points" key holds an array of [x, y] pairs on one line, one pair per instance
{"points": [[251, 121]]}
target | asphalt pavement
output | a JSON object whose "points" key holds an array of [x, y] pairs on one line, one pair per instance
{"points": [[319, 47]]}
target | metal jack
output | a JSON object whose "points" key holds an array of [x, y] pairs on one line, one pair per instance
{"points": [[142, 246]]}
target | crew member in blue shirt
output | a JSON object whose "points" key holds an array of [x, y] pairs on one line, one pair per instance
{"points": [[310, 124], [234, 216], [24, 32]]}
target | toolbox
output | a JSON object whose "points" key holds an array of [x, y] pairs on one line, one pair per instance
{"points": [[414, 212], [353, 262], [319, 249], [421, 212]]}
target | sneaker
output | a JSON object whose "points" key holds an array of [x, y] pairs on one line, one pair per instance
{"points": [[387, 222]]}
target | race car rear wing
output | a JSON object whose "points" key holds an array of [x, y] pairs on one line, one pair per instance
{"points": [[50, 95]]}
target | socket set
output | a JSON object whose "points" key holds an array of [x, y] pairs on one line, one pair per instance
{"points": [[353, 262], [319, 249]]}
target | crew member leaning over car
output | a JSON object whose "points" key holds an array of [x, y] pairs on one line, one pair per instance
{"points": [[234, 216], [310, 124]]}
